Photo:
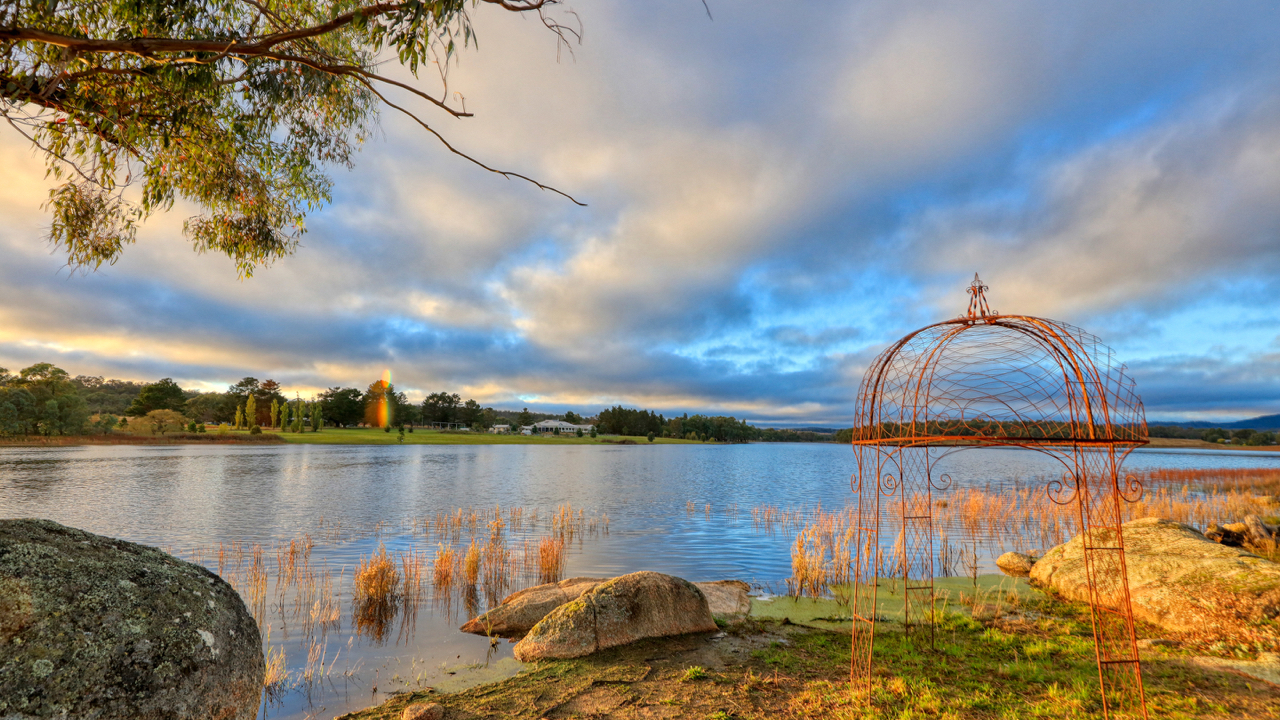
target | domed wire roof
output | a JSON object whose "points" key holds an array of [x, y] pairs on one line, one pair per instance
{"points": [[990, 379]]}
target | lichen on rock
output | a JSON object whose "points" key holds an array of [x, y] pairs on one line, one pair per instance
{"points": [[91, 626]]}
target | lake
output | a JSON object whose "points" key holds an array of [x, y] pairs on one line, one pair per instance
{"points": [[679, 509]]}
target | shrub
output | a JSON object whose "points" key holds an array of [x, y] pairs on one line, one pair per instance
{"points": [[224, 429], [651, 436], [201, 428], [255, 430], [593, 432], [386, 429], [580, 433]]}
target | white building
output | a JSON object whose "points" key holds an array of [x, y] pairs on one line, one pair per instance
{"points": [[548, 427], [496, 429]]}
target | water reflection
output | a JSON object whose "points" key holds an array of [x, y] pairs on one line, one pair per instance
{"points": [[288, 526]]}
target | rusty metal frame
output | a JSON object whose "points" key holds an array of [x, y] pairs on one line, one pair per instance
{"points": [[988, 380]]}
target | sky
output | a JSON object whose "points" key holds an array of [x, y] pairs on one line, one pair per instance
{"points": [[775, 194]]}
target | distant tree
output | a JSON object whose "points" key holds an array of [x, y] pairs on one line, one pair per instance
{"points": [[239, 416], [573, 418], [251, 411], [105, 424], [579, 432], [164, 421], [651, 436], [110, 397], [442, 407], [379, 404], [275, 412], [470, 413], [205, 407], [342, 406], [51, 405], [525, 418], [268, 392], [162, 395], [297, 415], [124, 423], [317, 417]]}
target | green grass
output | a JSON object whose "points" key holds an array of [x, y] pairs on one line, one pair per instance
{"points": [[421, 436]]}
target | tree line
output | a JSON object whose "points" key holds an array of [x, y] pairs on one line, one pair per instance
{"points": [[46, 400]]}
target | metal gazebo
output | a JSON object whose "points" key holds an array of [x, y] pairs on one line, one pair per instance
{"points": [[980, 380]]}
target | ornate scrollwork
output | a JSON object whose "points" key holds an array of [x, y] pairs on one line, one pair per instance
{"points": [[943, 482], [1055, 488], [1131, 491], [889, 485]]}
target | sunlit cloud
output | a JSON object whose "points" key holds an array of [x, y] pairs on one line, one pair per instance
{"points": [[772, 199]]}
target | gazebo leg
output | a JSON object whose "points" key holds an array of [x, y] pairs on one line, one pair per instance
{"points": [[1115, 641]]}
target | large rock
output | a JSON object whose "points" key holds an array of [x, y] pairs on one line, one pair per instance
{"points": [[520, 611], [1180, 580], [620, 611], [99, 629], [1016, 564], [727, 598]]}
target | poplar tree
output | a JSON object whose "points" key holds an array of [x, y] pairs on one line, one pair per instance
{"points": [[275, 412], [317, 421], [297, 415], [239, 415], [251, 412]]}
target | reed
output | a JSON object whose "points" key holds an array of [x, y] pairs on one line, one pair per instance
{"points": [[446, 560], [550, 559], [275, 673], [376, 580], [471, 565]]}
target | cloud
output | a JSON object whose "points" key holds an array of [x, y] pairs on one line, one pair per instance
{"points": [[773, 197]]}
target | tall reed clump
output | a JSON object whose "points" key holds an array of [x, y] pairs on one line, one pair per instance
{"points": [[550, 559], [471, 565], [377, 579], [446, 560]]}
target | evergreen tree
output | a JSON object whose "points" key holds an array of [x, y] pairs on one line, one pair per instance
{"points": [[317, 421]]}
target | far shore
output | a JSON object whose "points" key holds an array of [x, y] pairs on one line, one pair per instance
{"points": [[428, 436]]}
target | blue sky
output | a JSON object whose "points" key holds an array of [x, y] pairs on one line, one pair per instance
{"points": [[774, 196]]}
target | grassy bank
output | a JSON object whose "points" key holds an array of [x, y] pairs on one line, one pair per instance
{"points": [[421, 436], [1030, 657], [209, 438], [1184, 443]]}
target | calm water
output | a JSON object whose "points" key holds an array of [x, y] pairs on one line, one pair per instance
{"points": [[188, 499]]}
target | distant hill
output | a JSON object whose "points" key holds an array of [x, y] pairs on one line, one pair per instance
{"points": [[1262, 422]]}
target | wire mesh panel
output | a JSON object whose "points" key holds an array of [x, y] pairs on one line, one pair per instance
{"points": [[986, 379]]}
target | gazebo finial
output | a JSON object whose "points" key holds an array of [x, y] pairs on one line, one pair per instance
{"points": [[977, 300]]}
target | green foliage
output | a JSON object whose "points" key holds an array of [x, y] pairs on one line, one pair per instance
{"points": [[650, 436], [593, 432], [574, 418], [525, 418], [231, 107], [696, 672], [255, 430], [579, 433], [343, 407], [251, 411], [41, 400], [317, 417], [275, 413], [103, 396], [161, 395]]}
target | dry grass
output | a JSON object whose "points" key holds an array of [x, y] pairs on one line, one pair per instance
{"points": [[471, 565], [971, 522], [376, 580], [550, 559]]}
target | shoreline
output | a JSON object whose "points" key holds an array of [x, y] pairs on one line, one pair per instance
{"points": [[424, 436]]}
